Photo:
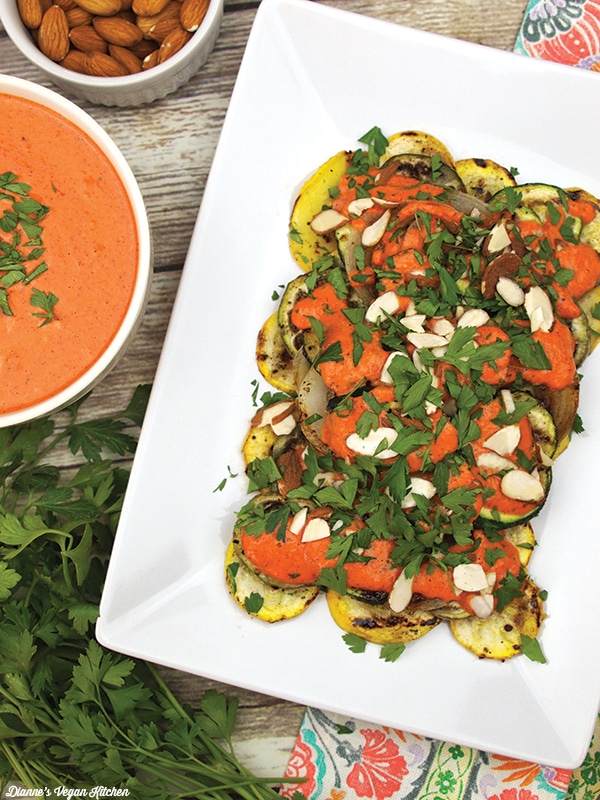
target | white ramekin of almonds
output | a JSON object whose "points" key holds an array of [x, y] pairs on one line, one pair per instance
{"points": [[115, 52]]}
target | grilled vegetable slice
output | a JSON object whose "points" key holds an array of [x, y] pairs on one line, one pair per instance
{"points": [[307, 246], [417, 142], [562, 405], [258, 443], [482, 177], [274, 361], [378, 624], [590, 232], [499, 636], [590, 305], [248, 590], [291, 336], [523, 537]]}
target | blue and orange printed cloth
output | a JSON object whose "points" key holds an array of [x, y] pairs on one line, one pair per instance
{"points": [[565, 31], [346, 759]]}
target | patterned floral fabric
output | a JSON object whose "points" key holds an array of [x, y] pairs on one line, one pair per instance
{"points": [[566, 31], [342, 759]]}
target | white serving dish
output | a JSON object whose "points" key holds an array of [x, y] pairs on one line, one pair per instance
{"points": [[312, 81]]}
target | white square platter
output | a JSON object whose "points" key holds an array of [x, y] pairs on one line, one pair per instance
{"points": [[313, 80]]}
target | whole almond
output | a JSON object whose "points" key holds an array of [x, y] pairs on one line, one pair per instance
{"points": [[192, 14], [151, 60], [117, 31], [53, 34], [146, 22], [148, 8], [77, 16], [74, 60], [172, 43], [105, 8], [87, 39], [125, 57], [163, 27], [104, 66], [144, 48], [31, 12], [66, 5]]}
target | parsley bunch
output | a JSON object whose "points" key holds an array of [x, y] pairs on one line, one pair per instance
{"points": [[71, 713]]}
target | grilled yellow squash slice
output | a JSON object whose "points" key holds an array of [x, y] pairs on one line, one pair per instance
{"points": [[277, 604], [499, 636], [483, 178], [274, 361], [307, 246], [378, 624]]}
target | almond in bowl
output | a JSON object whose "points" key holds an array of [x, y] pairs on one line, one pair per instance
{"points": [[75, 253], [115, 52]]}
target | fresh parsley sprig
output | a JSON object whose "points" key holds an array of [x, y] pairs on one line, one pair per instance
{"points": [[72, 714]]}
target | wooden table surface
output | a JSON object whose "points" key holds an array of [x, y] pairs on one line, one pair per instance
{"points": [[169, 146]]}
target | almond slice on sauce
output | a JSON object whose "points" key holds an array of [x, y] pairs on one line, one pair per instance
{"points": [[327, 221], [373, 233], [370, 444], [384, 305], [505, 441], [401, 593], [539, 309], [520, 485], [315, 529], [469, 577]]}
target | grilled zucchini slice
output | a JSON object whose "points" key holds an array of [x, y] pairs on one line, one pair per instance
{"points": [[590, 305], [378, 624], [277, 603], [499, 636], [307, 246]]}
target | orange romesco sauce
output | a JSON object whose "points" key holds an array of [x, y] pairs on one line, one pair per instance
{"points": [[91, 249]]}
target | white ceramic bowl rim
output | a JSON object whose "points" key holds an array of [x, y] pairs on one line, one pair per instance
{"points": [[76, 115], [19, 34]]}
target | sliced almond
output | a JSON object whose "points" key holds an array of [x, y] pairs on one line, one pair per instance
{"points": [[443, 327], [383, 306], [510, 292], [401, 593], [385, 376], [298, 521], [327, 221], [492, 462], [498, 239], [482, 605], [426, 340], [419, 486], [505, 441], [469, 577], [370, 444], [373, 233], [520, 485], [508, 401], [473, 318], [539, 309], [414, 322], [316, 529], [356, 207]]}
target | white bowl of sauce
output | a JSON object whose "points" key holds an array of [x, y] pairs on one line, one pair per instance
{"points": [[75, 252]]}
